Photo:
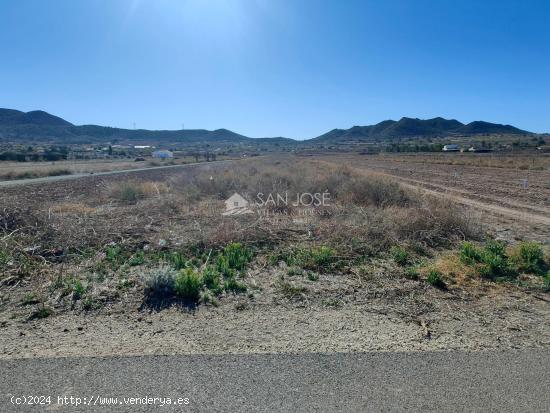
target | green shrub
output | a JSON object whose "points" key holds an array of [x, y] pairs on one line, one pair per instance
{"points": [[547, 281], [491, 261], [530, 258], [234, 258], [316, 258], [434, 278], [399, 255], [178, 260], [469, 253], [78, 289], [188, 285], [137, 259], [212, 280], [41, 312], [322, 256]]}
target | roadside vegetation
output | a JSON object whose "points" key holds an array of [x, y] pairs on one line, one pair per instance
{"points": [[165, 242]]}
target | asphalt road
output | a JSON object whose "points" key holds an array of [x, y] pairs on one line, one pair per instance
{"points": [[510, 381]]}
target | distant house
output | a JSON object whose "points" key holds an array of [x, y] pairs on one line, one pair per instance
{"points": [[162, 154], [451, 148]]}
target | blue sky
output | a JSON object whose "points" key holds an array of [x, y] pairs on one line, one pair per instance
{"points": [[294, 68]]}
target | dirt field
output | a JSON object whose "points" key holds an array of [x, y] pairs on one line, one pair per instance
{"points": [[377, 270], [513, 202]]}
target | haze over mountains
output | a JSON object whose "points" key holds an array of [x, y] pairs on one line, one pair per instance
{"points": [[42, 126]]}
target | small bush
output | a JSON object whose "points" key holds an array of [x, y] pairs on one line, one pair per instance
{"points": [[188, 285], [469, 253], [137, 259], [491, 261], [322, 256], [78, 289], [159, 283], [41, 312], [235, 286], [234, 258], [212, 280], [316, 258], [399, 255], [434, 278], [529, 258], [178, 260]]}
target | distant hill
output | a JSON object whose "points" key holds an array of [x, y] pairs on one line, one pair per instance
{"points": [[40, 126], [409, 127], [10, 117]]}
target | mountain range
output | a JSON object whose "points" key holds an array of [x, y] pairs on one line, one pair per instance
{"points": [[409, 128], [42, 126]]}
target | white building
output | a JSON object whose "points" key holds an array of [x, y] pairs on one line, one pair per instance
{"points": [[451, 148]]}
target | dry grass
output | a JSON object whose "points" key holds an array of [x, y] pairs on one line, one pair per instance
{"points": [[72, 208], [132, 191], [520, 161], [33, 173]]}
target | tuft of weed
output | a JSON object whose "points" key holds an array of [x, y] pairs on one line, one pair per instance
{"points": [[235, 286], [412, 273], [41, 312], [188, 284], [529, 258], [434, 278], [178, 260], [399, 255], [470, 253], [90, 303], [78, 289], [137, 259], [212, 280], [311, 276], [320, 258], [234, 258], [290, 290], [30, 298]]}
